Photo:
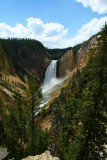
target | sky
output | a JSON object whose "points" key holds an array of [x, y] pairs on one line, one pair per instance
{"points": [[55, 23]]}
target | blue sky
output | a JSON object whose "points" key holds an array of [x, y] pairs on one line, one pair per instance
{"points": [[56, 23]]}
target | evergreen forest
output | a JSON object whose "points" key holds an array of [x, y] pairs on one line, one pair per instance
{"points": [[79, 115]]}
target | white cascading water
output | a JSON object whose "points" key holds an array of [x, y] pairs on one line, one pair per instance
{"points": [[50, 81], [50, 72]]}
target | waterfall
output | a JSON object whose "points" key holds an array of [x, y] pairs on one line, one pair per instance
{"points": [[50, 80], [50, 72], [49, 83], [50, 76]]}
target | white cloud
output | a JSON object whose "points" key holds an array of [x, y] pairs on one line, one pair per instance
{"points": [[83, 34], [99, 6], [51, 35], [35, 29], [87, 30], [45, 31], [18, 31]]}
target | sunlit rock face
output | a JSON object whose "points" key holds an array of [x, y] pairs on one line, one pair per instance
{"points": [[69, 61], [66, 64], [84, 51], [44, 156]]}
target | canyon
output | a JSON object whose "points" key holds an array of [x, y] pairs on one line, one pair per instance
{"points": [[40, 92]]}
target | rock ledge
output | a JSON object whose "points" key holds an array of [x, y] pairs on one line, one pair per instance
{"points": [[44, 156]]}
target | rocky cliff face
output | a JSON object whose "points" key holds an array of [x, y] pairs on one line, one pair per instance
{"points": [[70, 60], [44, 156], [83, 53], [66, 64]]}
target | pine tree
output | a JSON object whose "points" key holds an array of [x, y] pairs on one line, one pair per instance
{"points": [[35, 98], [85, 113]]}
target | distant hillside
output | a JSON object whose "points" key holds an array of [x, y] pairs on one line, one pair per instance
{"points": [[20, 56], [57, 53]]}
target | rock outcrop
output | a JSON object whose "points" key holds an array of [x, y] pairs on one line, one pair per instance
{"points": [[70, 60], [3, 153], [44, 156], [83, 53], [66, 64]]}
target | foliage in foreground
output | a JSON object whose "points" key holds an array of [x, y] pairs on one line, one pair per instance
{"points": [[79, 116], [20, 134], [81, 130]]}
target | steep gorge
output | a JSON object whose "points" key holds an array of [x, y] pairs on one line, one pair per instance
{"points": [[30, 60], [67, 66], [79, 115]]}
